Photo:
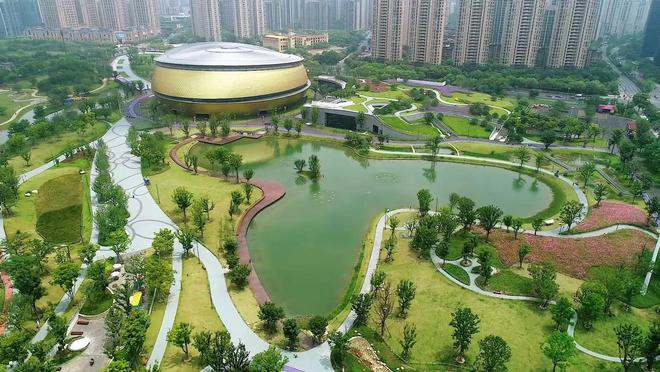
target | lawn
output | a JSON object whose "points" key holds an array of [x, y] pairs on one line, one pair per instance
{"points": [[9, 105], [574, 256], [95, 308], [463, 127], [577, 157], [417, 129], [611, 213], [508, 282], [391, 94], [476, 97], [457, 273], [59, 209], [46, 150], [195, 307]]}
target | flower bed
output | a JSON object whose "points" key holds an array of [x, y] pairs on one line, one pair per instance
{"points": [[611, 213], [574, 256]]}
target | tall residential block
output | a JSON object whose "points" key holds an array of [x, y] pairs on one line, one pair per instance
{"points": [[621, 17], [651, 42], [474, 31], [205, 15], [10, 19], [386, 30], [249, 18], [144, 15], [59, 13], [427, 25], [575, 24], [88, 14], [522, 32], [113, 14]]}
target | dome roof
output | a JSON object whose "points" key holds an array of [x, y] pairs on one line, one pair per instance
{"points": [[229, 55]]}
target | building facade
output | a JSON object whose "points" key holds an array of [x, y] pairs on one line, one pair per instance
{"points": [[248, 18], [474, 31], [427, 21], [651, 42], [282, 42], [573, 32], [144, 15], [205, 17], [521, 33], [59, 13], [386, 30]]}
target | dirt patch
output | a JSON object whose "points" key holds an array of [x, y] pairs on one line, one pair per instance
{"points": [[366, 354]]}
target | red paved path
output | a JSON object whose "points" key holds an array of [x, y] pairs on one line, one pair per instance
{"points": [[272, 192], [9, 291]]}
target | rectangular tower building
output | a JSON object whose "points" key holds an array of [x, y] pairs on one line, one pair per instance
{"points": [[59, 14], [474, 31], [144, 15], [427, 26], [573, 32], [522, 32], [386, 30], [651, 42], [249, 18], [205, 15]]}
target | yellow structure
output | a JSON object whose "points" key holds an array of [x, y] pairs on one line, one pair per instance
{"points": [[208, 78], [281, 42]]}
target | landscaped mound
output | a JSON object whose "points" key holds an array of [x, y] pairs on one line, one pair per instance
{"points": [[574, 256], [611, 213], [59, 209]]}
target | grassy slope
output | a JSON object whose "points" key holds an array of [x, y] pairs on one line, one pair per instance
{"points": [[7, 102], [59, 209], [414, 129], [462, 127]]}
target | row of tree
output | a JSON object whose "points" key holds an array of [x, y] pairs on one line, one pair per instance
{"points": [[112, 214]]}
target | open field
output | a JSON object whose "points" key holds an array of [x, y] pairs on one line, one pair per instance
{"points": [[463, 127], [415, 129], [59, 209]]}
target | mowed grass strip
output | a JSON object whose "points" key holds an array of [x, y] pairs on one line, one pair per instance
{"points": [[463, 127], [59, 209], [416, 129]]}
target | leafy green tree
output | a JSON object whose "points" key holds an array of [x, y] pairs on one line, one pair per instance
{"points": [[235, 161], [270, 360], [384, 306], [434, 145], [361, 305], [163, 242], [65, 277], [570, 212], [291, 331], [424, 198], [199, 218], [539, 160], [507, 221], [629, 339], [207, 206], [466, 325], [522, 154], [317, 325], [651, 345], [120, 242], [466, 213], [425, 237], [548, 137], [406, 292], [537, 224], [270, 314], [57, 327], [314, 165], [408, 342], [485, 265], [159, 276], [562, 313], [8, 188], [118, 366], [299, 165], [447, 223], [183, 199], [180, 335], [26, 272], [559, 348], [132, 335], [247, 189], [489, 216], [390, 245], [339, 343], [394, 223], [586, 171], [523, 251], [87, 253], [186, 237], [239, 276], [543, 281], [591, 297], [494, 354], [517, 227], [96, 273]]}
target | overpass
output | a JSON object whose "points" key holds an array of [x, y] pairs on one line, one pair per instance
{"points": [[331, 79]]}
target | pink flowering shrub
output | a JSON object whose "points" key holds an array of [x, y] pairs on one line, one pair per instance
{"points": [[611, 213], [574, 256]]}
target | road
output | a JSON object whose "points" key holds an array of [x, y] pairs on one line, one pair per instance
{"points": [[627, 88]]}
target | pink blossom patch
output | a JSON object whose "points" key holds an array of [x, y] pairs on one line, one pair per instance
{"points": [[611, 213]]}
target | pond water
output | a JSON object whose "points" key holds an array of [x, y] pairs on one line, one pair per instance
{"points": [[305, 246]]}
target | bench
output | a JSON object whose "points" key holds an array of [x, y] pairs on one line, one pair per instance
{"points": [[83, 322], [76, 333]]}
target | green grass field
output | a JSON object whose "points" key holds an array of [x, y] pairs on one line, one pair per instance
{"points": [[401, 125], [457, 272], [462, 127], [8, 106], [476, 97], [59, 209], [391, 94]]}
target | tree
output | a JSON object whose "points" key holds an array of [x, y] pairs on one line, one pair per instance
{"points": [[299, 164], [507, 221], [163, 242], [394, 223], [270, 314], [268, 361], [390, 244], [424, 198], [180, 335], [159, 276], [183, 199], [377, 281], [291, 331], [548, 138], [317, 325], [132, 335], [466, 325], [8, 188], [543, 281], [384, 306], [186, 237], [247, 189], [651, 346], [537, 223], [426, 236], [442, 250], [408, 342], [361, 305], [629, 339], [185, 127], [591, 297], [406, 293], [239, 276], [586, 171], [637, 189], [523, 250], [235, 161], [248, 174], [238, 358], [517, 227], [428, 118], [485, 269], [26, 156], [87, 253], [207, 206], [539, 159], [199, 218], [522, 154], [434, 145], [494, 354], [652, 208], [466, 213], [314, 167], [570, 212], [489, 216], [359, 120], [65, 276], [120, 241], [447, 223], [615, 139], [339, 343], [559, 348], [288, 125], [562, 313], [57, 327]]}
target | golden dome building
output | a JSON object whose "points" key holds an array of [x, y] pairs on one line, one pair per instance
{"points": [[219, 77]]}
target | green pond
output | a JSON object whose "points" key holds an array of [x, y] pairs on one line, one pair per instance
{"points": [[305, 246]]}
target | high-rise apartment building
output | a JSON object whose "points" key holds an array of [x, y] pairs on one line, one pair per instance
{"points": [[621, 17], [249, 18], [500, 17], [474, 31], [113, 14], [10, 19], [144, 15], [88, 14], [651, 42], [427, 25], [205, 16], [547, 26], [386, 30], [575, 24], [316, 15], [521, 32], [59, 13]]}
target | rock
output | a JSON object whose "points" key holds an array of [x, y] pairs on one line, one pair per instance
{"points": [[35, 191], [27, 194], [366, 354]]}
